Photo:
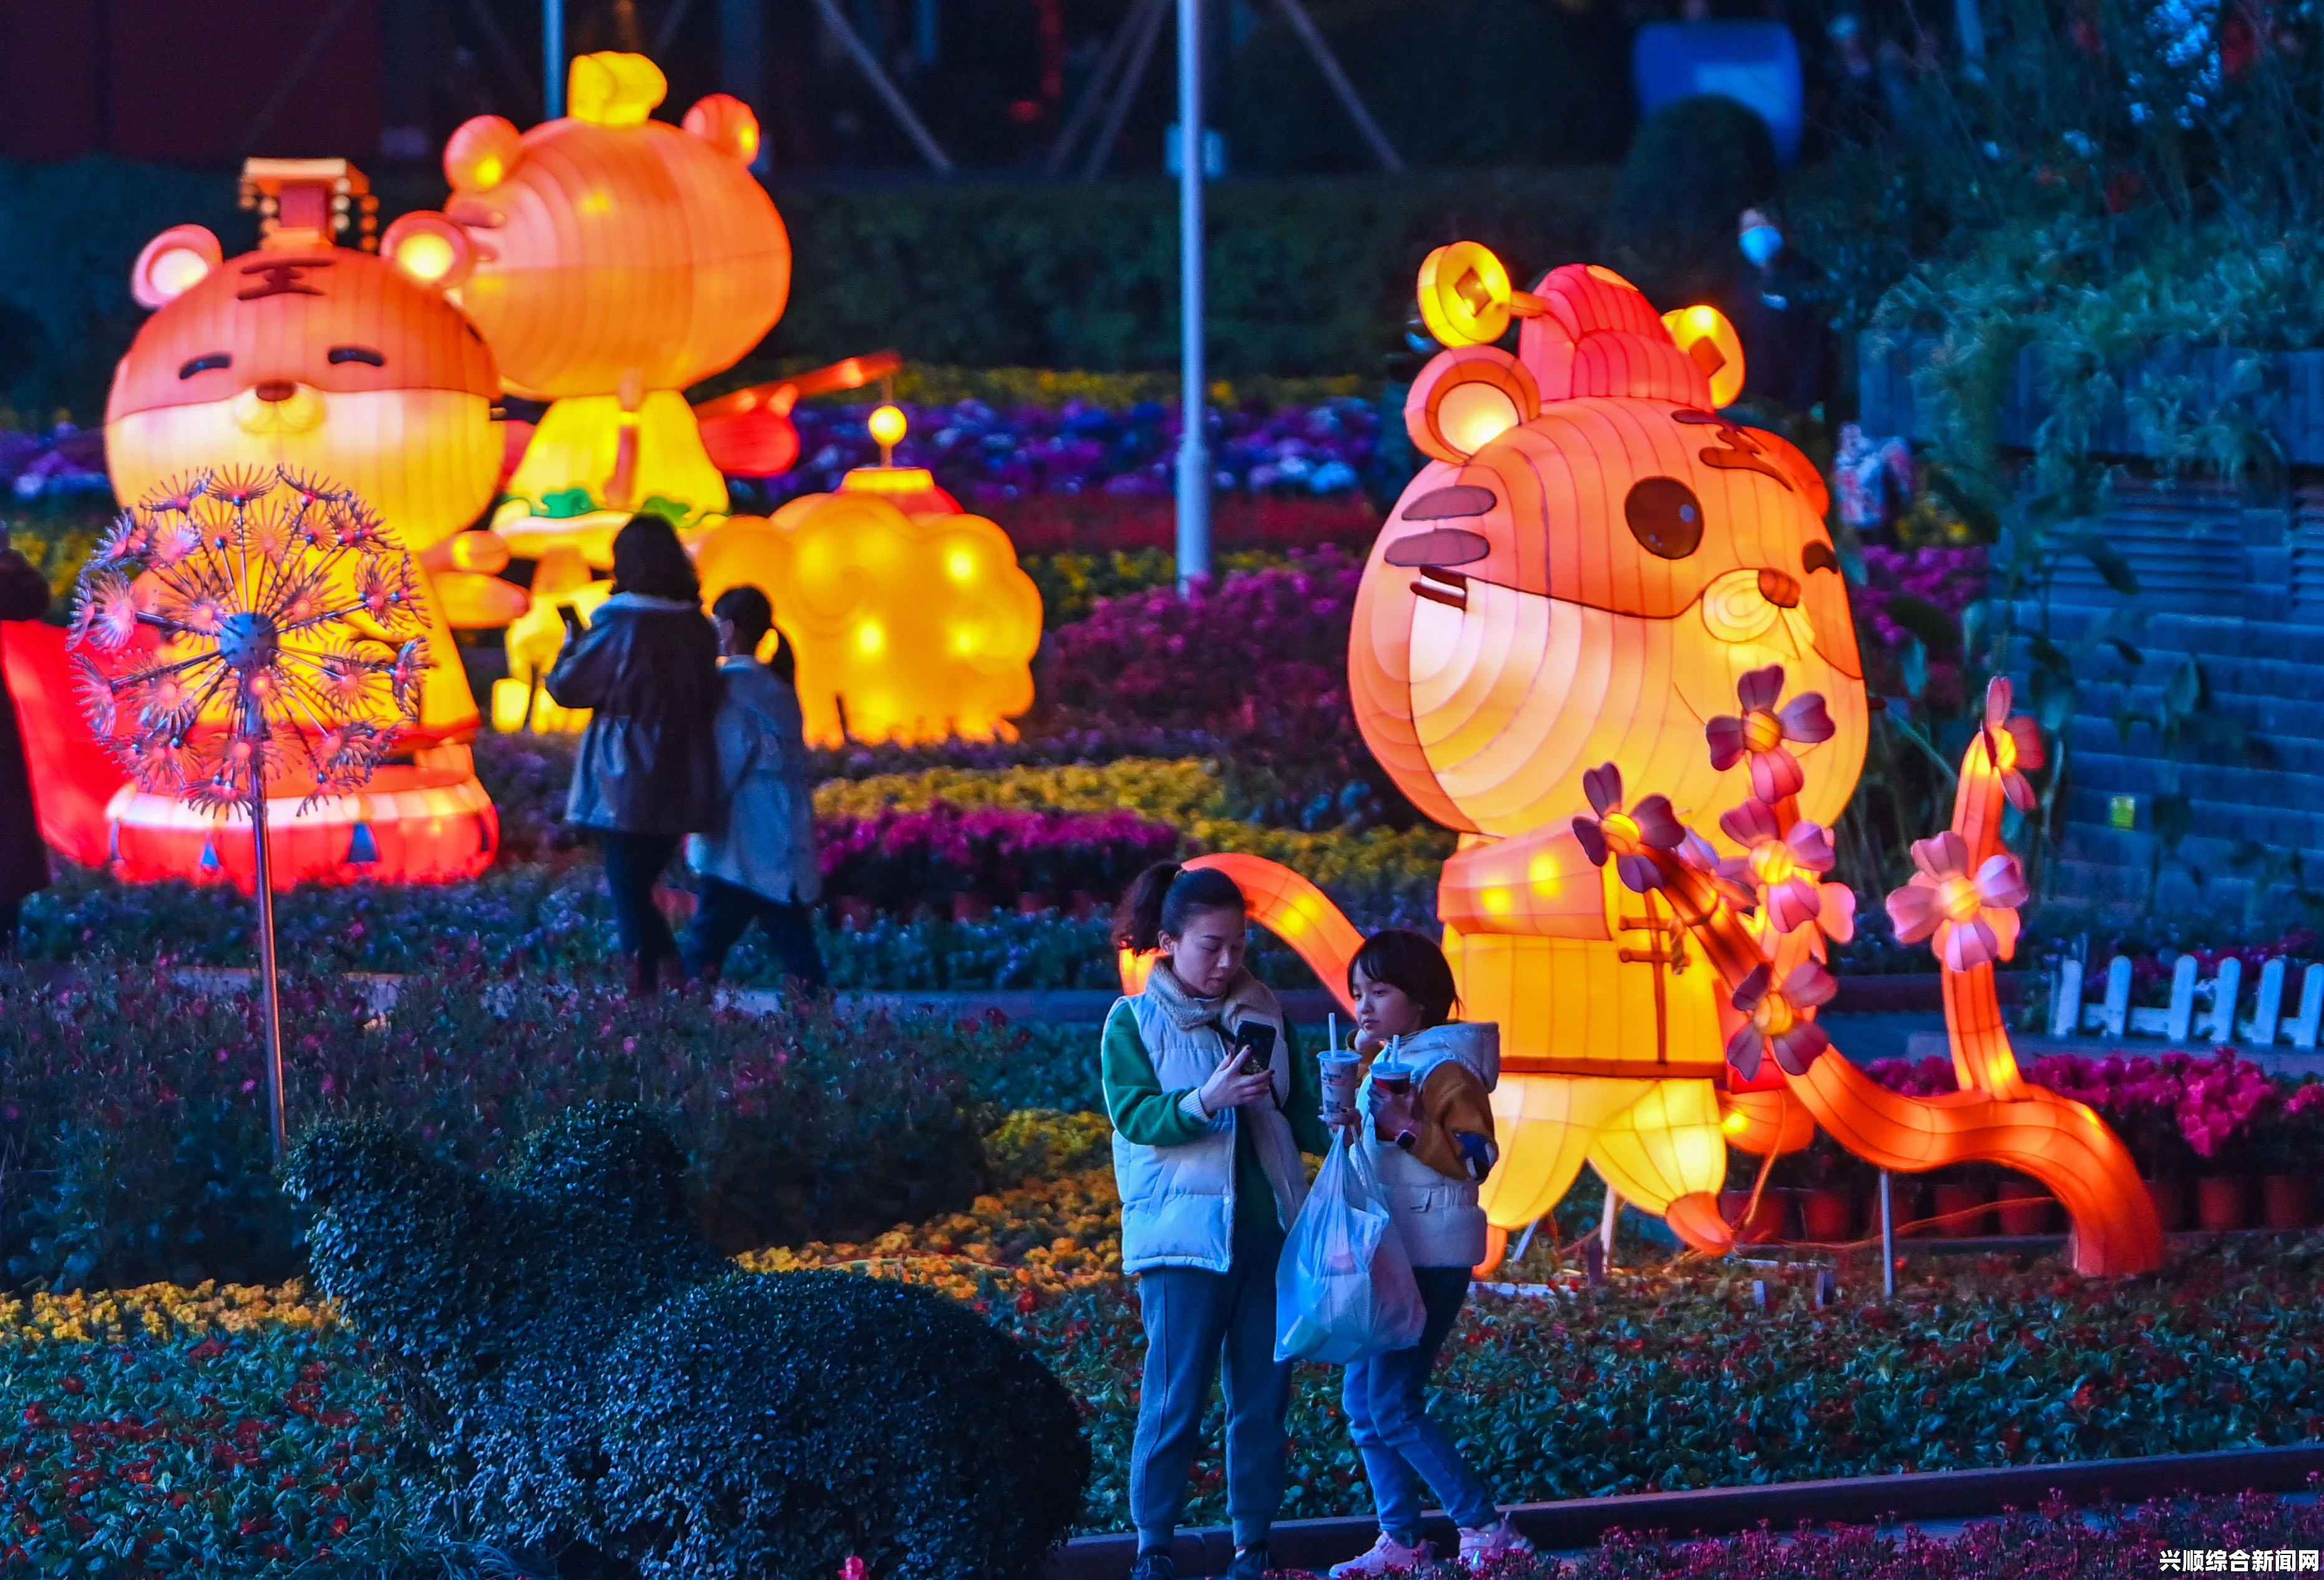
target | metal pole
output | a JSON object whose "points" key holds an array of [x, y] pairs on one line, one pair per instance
{"points": [[1606, 1223], [1887, 1238], [889, 95], [1194, 447], [1329, 65], [271, 1005], [552, 58]]}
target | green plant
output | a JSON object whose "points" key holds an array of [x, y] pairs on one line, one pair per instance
{"points": [[595, 1376], [1695, 165]]}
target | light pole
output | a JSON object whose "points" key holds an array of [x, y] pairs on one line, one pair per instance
{"points": [[1194, 447], [552, 58]]}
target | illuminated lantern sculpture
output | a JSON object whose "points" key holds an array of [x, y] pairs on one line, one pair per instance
{"points": [[610, 260], [910, 620], [328, 361], [1595, 577]]}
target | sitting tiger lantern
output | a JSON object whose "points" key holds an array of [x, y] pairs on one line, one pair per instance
{"points": [[1604, 635]]}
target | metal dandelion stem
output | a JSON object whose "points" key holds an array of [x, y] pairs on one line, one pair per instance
{"points": [[239, 629]]}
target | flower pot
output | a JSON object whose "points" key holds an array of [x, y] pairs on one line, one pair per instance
{"points": [[855, 912], [1828, 1215], [2169, 1196], [1765, 1225], [1964, 1207], [2287, 1201], [2025, 1207], [1908, 1199], [971, 907], [2223, 1202], [1035, 901]]}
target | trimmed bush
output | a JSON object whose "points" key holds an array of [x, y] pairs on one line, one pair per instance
{"points": [[600, 1379], [1697, 165]]}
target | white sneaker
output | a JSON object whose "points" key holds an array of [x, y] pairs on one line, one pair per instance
{"points": [[1387, 1556], [1481, 1548]]}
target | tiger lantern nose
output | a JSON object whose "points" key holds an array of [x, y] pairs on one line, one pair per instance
{"points": [[1779, 588], [275, 391]]}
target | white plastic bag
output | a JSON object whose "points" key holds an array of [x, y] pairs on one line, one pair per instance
{"points": [[1344, 1287]]}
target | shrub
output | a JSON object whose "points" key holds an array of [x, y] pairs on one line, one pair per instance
{"points": [[136, 1145], [1697, 163], [605, 1379]]}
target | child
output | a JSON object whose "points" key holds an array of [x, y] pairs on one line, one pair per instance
{"points": [[762, 862], [1403, 988], [1207, 1159]]}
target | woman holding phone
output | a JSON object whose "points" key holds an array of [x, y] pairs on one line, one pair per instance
{"points": [[1212, 1106], [647, 775]]}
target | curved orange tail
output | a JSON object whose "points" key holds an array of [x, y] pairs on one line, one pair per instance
{"points": [[73, 777], [1291, 908]]}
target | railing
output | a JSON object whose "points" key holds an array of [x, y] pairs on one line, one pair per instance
{"points": [[2199, 1011]]}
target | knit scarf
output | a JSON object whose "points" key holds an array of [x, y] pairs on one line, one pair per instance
{"points": [[1245, 992]]}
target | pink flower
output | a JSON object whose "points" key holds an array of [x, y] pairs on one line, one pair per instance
{"points": [[1762, 730], [1625, 836], [1778, 1019], [2015, 745], [1783, 867], [108, 617], [1973, 916]]}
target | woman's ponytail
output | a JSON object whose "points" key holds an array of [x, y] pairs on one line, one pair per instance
{"points": [[1162, 899], [1138, 919]]}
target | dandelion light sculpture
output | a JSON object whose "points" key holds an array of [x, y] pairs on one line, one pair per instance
{"points": [[245, 633]]}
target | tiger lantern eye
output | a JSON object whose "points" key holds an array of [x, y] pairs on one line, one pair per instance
{"points": [[1664, 517]]}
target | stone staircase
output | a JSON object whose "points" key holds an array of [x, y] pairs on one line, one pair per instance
{"points": [[2240, 591]]}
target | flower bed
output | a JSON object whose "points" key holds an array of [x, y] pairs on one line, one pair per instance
{"points": [[898, 859]]}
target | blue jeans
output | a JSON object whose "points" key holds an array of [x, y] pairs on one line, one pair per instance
{"points": [[1194, 1319], [725, 914], [1386, 1397], [633, 863]]}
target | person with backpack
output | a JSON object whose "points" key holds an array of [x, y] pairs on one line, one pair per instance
{"points": [[1427, 1128]]}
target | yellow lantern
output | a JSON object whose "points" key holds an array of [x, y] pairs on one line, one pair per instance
{"points": [[618, 260], [910, 620], [1710, 341]]}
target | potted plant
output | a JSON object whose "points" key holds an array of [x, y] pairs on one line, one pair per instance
{"points": [[1827, 1186], [2025, 1205], [2287, 1143], [1961, 1201], [2220, 1099]]}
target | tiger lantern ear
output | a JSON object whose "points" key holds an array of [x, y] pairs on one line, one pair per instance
{"points": [[429, 249], [173, 264], [481, 154], [727, 125], [1598, 335], [1466, 398]]}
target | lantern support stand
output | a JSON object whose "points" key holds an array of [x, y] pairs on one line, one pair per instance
{"points": [[1887, 1238], [1194, 447], [270, 999], [552, 58]]}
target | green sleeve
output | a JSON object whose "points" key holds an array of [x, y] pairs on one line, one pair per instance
{"points": [[1141, 1111], [1305, 1107]]}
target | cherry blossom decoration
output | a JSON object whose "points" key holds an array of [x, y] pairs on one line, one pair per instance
{"points": [[1764, 733], [1627, 837], [1785, 866], [2015, 745], [241, 629], [1972, 916], [1776, 1019]]}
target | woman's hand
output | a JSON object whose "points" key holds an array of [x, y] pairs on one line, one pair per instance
{"points": [[1228, 1088], [1394, 1114]]}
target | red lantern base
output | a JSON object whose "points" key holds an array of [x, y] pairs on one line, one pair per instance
{"points": [[410, 825]]}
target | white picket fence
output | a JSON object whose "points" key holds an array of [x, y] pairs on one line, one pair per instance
{"points": [[2203, 1012]]}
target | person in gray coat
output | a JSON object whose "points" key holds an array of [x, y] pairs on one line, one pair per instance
{"points": [[647, 775], [759, 863]]}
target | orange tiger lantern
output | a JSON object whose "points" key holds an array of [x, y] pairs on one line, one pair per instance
{"points": [[610, 260], [330, 361], [1596, 576]]}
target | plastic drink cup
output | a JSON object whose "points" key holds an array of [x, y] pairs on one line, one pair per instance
{"points": [[1342, 1073]]}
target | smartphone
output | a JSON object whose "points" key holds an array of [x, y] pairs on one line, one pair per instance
{"points": [[572, 618], [1256, 1040]]}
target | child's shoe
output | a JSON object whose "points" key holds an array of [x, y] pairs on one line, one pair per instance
{"points": [[1387, 1556]]}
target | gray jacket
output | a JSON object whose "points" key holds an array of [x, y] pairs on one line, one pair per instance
{"points": [[766, 842], [648, 762]]}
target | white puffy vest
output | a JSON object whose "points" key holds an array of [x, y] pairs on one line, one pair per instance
{"points": [[1438, 1217], [1177, 1203]]}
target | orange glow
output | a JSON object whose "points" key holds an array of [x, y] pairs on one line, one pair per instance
{"points": [[886, 425], [1710, 341]]}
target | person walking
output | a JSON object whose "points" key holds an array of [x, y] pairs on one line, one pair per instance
{"points": [[24, 858], [1428, 1128], [1212, 1107], [759, 863], [646, 774]]}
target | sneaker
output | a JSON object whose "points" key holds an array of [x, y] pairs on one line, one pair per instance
{"points": [[1154, 1565], [1250, 1562], [1387, 1556], [1481, 1548]]}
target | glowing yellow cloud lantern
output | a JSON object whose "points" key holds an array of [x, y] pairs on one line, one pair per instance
{"points": [[534, 639], [617, 259], [911, 621], [1579, 641], [327, 361]]}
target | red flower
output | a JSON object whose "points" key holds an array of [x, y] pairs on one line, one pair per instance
{"points": [[1762, 730], [1625, 836], [1778, 1019]]}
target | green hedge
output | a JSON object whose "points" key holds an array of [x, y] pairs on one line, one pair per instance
{"points": [[1308, 276]]}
